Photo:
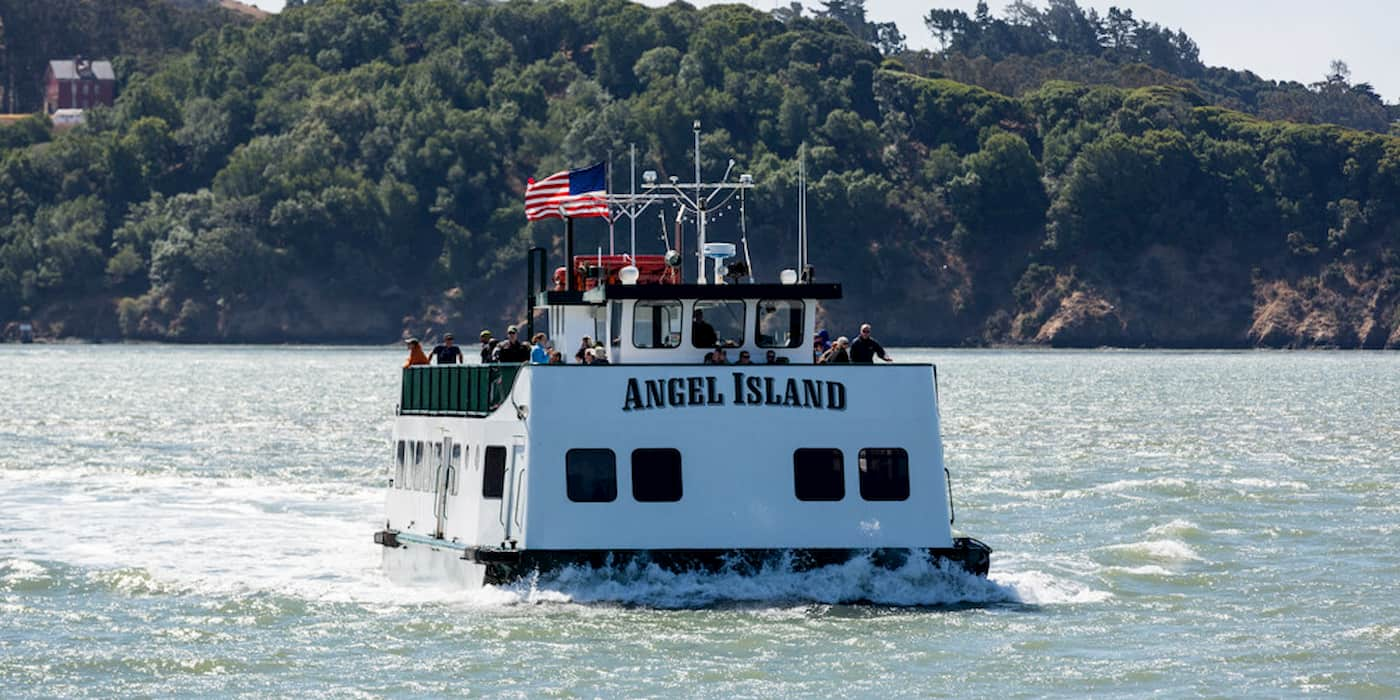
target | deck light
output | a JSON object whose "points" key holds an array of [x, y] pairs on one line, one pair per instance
{"points": [[628, 275], [788, 276]]}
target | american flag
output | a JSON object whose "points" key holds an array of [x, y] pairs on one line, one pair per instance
{"points": [[571, 193]]}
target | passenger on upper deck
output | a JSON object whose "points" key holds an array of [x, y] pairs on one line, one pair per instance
{"points": [[488, 348], [512, 350], [864, 350], [447, 353], [744, 358], [820, 344], [415, 353], [600, 356], [839, 354], [702, 334], [555, 357], [585, 344], [771, 357], [539, 354], [717, 357]]}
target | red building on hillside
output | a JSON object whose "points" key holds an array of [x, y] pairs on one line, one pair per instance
{"points": [[78, 84]]}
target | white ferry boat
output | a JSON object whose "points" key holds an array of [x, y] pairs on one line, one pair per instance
{"points": [[501, 470]]}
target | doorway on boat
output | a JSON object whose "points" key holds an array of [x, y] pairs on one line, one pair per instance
{"points": [[512, 515], [448, 457]]}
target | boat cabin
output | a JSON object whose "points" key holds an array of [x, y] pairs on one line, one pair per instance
{"points": [[635, 309]]}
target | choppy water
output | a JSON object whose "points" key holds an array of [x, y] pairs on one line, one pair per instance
{"points": [[187, 520]]}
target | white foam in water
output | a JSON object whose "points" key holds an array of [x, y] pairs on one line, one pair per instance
{"points": [[238, 536], [919, 582], [1156, 550], [1040, 588]]}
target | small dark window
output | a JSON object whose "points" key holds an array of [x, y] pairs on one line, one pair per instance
{"points": [[591, 475], [656, 475], [884, 474], [818, 474], [493, 473]]}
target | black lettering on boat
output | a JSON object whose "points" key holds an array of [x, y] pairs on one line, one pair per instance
{"points": [[755, 385], [738, 388], [791, 397], [811, 394], [771, 397], [712, 396], [656, 393], [675, 391], [634, 395], [836, 396], [696, 393]]}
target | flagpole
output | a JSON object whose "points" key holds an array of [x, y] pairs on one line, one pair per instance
{"points": [[612, 236], [569, 254], [632, 190]]}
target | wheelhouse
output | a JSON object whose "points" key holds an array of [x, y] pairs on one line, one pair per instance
{"points": [[681, 323]]}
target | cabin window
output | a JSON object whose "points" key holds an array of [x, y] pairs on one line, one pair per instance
{"points": [[656, 475], [454, 469], [779, 323], [656, 324], [435, 471], [400, 467], [884, 474], [420, 464], [493, 472], [591, 475], [717, 323], [819, 474]]}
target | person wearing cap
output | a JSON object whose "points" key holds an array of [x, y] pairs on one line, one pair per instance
{"points": [[512, 350], [821, 344], [415, 353], [839, 354], [539, 353], [488, 348], [447, 353], [865, 348], [600, 356]]}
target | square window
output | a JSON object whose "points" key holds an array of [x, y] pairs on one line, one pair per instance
{"points": [[884, 474], [819, 474], [591, 475], [493, 473], [656, 475]]}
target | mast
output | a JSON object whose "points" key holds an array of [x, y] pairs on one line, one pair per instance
{"points": [[632, 194], [699, 213]]}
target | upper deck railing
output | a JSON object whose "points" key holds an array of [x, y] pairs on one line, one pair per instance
{"points": [[456, 390]]}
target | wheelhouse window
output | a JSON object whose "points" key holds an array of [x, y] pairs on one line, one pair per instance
{"points": [[779, 323], [656, 324], [717, 323], [884, 474], [656, 475], [454, 469], [591, 475], [420, 464], [493, 472], [819, 474], [400, 465]]}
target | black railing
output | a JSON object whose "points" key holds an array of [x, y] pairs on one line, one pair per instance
{"points": [[461, 390]]}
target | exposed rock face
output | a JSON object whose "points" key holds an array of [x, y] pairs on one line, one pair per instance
{"points": [[1083, 320], [1342, 309]]}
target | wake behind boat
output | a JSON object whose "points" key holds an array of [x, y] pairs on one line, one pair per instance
{"points": [[667, 454]]}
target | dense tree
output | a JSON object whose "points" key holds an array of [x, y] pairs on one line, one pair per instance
{"points": [[329, 171]]}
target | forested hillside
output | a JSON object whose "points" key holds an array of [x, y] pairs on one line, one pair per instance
{"points": [[351, 169]]}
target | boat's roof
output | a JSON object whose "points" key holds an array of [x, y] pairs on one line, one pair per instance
{"points": [[604, 293]]}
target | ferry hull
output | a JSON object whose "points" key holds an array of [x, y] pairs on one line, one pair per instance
{"points": [[421, 558]]}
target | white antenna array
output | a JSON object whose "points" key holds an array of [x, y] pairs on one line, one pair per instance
{"points": [[695, 198]]}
